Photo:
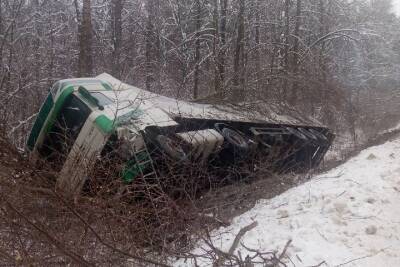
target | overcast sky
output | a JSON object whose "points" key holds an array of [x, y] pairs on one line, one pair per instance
{"points": [[396, 4]]}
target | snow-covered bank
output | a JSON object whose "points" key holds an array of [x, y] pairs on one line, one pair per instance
{"points": [[348, 216]]}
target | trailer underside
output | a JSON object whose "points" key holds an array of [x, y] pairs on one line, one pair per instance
{"points": [[280, 148]]}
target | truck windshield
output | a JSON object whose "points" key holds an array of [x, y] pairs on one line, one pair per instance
{"points": [[67, 126], [103, 100]]}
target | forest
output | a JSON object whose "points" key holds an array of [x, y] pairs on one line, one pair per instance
{"points": [[337, 61]]}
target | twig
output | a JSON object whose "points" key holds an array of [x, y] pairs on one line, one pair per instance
{"points": [[75, 257], [360, 258], [239, 236], [236, 241], [101, 239], [319, 264], [284, 250]]}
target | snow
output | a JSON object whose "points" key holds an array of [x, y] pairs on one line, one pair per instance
{"points": [[186, 109], [349, 216]]}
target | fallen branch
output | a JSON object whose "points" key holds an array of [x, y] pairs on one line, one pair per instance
{"points": [[319, 264], [239, 236], [284, 250], [236, 241]]}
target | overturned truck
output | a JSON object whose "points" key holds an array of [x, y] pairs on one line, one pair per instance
{"points": [[84, 121]]}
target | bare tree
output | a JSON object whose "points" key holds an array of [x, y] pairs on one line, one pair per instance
{"points": [[216, 45], [85, 40], [1, 33], [296, 53], [223, 48], [197, 50], [287, 49], [149, 33], [238, 62], [284, 52], [117, 7]]}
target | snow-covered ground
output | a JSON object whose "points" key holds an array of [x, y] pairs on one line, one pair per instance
{"points": [[349, 216]]}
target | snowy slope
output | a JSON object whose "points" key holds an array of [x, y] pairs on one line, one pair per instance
{"points": [[349, 216]]}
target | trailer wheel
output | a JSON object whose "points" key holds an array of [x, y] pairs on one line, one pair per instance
{"points": [[297, 133], [219, 127], [319, 135], [307, 133], [235, 139], [171, 147]]}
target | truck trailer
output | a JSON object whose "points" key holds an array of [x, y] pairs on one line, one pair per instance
{"points": [[85, 121]]}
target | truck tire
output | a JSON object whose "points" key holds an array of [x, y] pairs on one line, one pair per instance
{"points": [[171, 147], [219, 127], [297, 133], [319, 135], [236, 140], [308, 134]]}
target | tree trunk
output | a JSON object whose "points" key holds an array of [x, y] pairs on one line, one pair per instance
{"points": [[10, 69], [221, 58], [257, 41], [78, 14], [286, 51], [36, 48], [239, 52], [148, 45], [216, 47], [287, 33], [1, 34], [296, 53], [322, 32], [275, 37], [197, 51], [117, 6], [85, 41]]}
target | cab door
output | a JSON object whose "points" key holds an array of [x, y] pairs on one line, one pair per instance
{"points": [[64, 132]]}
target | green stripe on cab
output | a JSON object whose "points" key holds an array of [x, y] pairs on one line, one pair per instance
{"points": [[57, 107], [40, 120], [105, 124], [47, 117]]}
